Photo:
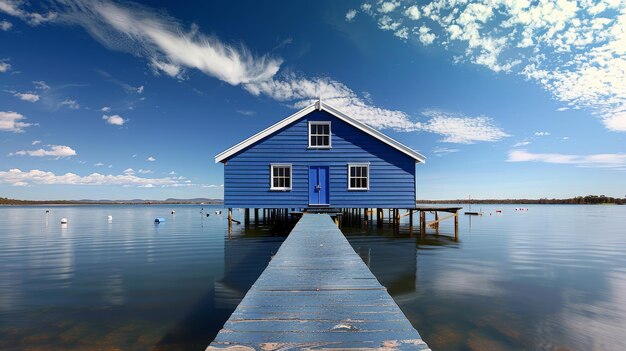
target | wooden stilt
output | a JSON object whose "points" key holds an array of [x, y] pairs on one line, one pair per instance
{"points": [[256, 217], [246, 217], [456, 225], [230, 220]]}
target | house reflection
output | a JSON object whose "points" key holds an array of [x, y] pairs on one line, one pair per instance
{"points": [[247, 251]]}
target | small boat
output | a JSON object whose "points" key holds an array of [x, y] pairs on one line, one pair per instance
{"points": [[470, 212]]}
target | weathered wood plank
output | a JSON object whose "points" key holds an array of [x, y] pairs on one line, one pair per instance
{"points": [[317, 294]]}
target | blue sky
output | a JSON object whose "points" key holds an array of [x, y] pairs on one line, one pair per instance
{"points": [[119, 100]]}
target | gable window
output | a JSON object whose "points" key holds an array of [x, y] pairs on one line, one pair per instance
{"points": [[280, 177], [358, 176], [319, 135]]}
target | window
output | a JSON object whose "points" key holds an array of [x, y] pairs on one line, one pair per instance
{"points": [[358, 177], [319, 135], [280, 177]]}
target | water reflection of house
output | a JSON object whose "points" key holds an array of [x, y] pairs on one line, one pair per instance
{"points": [[245, 258], [392, 260]]}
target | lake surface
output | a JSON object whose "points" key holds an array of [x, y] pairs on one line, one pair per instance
{"points": [[550, 278]]}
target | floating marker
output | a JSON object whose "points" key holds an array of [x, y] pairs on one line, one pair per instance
{"points": [[63, 220], [218, 212], [159, 220], [173, 212], [109, 218], [47, 211]]}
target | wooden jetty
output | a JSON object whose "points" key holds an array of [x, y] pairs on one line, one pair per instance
{"points": [[317, 294]]}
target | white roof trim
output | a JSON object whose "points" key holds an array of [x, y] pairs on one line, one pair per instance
{"points": [[320, 105]]}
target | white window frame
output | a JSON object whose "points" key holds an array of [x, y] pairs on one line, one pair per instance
{"points": [[272, 187], [367, 165], [330, 135]]}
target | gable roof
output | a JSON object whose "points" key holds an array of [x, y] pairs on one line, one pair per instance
{"points": [[322, 106]]}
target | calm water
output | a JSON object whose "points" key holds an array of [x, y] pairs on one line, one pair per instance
{"points": [[550, 278]]}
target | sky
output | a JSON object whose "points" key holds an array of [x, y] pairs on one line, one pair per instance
{"points": [[105, 99]]}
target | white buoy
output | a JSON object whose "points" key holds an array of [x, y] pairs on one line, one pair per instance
{"points": [[109, 218], [218, 212], [173, 212], [63, 220]]}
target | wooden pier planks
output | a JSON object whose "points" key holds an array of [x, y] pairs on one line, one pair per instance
{"points": [[317, 294]]}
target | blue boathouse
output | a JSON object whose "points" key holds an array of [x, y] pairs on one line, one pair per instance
{"points": [[319, 157]]}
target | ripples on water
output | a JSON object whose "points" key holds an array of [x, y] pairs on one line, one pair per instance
{"points": [[551, 278]]}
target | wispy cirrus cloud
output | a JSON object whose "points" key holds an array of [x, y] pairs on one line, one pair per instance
{"points": [[13, 122], [18, 177], [164, 42], [170, 48], [575, 50], [15, 8], [461, 129], [53, 150], [614, 161]]}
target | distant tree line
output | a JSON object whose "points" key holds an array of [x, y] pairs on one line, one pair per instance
{"points": [[578, 200]]}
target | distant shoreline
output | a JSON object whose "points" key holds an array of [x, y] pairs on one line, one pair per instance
{"points": [[579, 200]]}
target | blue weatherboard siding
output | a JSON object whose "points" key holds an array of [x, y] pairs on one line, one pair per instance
{"points": [[392, 173]]}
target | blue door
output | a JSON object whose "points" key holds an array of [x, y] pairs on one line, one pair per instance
{"points": [[318, 185]]}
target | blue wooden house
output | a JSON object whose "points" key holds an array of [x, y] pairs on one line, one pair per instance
{"points": [[319, 157]]}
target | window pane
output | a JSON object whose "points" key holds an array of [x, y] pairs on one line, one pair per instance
{"points": [[313, 141], [287, 182], [353, 183], [275, 182], [365, 180], [352, 171], [326, 141], [325, 129]]}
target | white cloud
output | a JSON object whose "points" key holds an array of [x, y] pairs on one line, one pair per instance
{"points": [[4, 66], [14, 8], [212, 185], [561, 109], [5, 25], [41, 85], [425, 36], [575, 50], [388, 6], [144, 171], [53, 150], [129, 171], [350, 15], [164, 43], [12, 122], [151, 159], [172, 173], [458, 128], [99, 164], [522, 143], [246, 112], [115, 120], [20, 178], [27, 96], [35, 142], [105, 109], [302, 91], [73, 104], [440, 151], [542, 133], [615, 161], [140, 89], [412, 12]]}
